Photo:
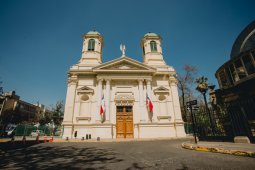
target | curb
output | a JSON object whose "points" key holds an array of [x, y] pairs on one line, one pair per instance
{"points": [[111, 140], [61, 140], [219, 150]]}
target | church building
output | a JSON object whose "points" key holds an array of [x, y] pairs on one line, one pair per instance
{"points": [[122, 98]]}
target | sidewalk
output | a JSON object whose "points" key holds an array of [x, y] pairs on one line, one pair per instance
{"points": [[60, 139], [239, 149]]}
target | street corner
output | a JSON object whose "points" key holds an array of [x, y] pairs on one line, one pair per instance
{"points": [[197, 147]]}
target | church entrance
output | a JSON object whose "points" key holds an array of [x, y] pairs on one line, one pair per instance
{"points": [[124, 122]]}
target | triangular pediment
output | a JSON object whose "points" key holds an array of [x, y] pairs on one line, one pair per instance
{"points": [[85, 89], [123, 64], [161, 89]]}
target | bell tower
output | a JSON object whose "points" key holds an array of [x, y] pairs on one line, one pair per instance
{"points": [[92, 48], [152, 51]]}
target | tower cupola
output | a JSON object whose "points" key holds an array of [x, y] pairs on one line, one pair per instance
{"points": [[92, 48], [152, 51]]}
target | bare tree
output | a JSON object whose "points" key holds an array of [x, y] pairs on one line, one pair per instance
{"points": [[186, 80]]}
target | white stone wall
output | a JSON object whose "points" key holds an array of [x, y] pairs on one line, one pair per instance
{"points": [[87, 84], [166, 121]]}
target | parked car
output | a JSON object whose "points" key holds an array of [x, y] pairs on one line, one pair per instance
{"points": [[10, 130], [57, 133], [35, 133]]}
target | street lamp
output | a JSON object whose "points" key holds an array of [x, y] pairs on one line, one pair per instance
{"points": [[203, 87]]}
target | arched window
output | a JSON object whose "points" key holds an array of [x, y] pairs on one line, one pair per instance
{"points": [[91, 46], [153, 46]]}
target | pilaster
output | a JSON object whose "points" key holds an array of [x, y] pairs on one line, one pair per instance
{"points": [[99, 99], [176, 103], [141, 101], [70, 99], [107, 100]]}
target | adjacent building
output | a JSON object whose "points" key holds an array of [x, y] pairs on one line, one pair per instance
{"points": [[14, 110], [122, 98], [236, 80]]}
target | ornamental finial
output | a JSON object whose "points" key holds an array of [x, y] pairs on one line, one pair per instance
{"points": [[122, 49]]}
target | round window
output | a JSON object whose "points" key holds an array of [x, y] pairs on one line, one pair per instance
{"points": [[161, 97], [84, 97]]}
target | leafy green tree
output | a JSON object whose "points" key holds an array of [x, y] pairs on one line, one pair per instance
{"points": [[58, 112], [46, 117], [53, 115]]}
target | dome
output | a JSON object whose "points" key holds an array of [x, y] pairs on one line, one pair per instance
{"points": [[151, 34], [93, 33], [245, 40]]}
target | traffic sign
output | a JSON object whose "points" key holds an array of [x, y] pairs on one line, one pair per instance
{"points": [[195, 108], [192, 102]]}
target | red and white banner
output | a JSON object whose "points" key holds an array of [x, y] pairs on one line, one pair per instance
{"points": [[149, 103], [102, 107]]}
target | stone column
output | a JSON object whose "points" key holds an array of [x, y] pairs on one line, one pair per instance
{"points": [[179, 125], [69, 107], [148, 86], [107, 100], [70, 96], [99, 98], [141, 101], [148, 83], [175, 97]]}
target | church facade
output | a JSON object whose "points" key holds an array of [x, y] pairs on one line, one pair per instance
{"points": [[122, 98]]}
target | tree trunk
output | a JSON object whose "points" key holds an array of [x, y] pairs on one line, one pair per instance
{"points": [[208, 112], [183, 102]]}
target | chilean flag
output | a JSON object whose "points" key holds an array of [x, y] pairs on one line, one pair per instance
{"points": [[149, 103], [102, 107]]}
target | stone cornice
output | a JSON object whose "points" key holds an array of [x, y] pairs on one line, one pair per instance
{"points": [[124, 71], [72, 79], [85, 90], [161, 89], [126, 77], [80, 72], [173, 80]]}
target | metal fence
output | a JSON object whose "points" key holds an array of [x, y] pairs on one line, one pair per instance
{"points": [[26, 130]]}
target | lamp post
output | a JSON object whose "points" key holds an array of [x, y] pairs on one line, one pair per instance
{"points": [[208, 112], [202, 87], [189, 105]]}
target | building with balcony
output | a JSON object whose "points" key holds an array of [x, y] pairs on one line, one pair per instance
{"points": [[236, 80], [14, 110]]}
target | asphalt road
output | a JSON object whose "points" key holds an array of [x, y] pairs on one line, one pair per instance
{"points": [[165, 154]]}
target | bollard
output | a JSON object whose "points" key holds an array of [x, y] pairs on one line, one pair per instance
{"points": [[45, 139], [37, 139], [51, 139], [67, 139], [75, 134], [82, 138], [12, 140], [24, 139], [98, 138], [89, 136]]}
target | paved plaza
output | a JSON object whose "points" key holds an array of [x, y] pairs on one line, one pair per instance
{"points": [[159, 154]]}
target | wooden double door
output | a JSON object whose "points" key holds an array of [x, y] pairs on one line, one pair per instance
{"points": [[124, 122]]}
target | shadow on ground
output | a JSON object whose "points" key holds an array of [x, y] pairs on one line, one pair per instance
{"points": [[45, 156]]}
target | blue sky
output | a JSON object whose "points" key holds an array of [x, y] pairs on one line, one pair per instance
{"points": [[40, 40]]}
